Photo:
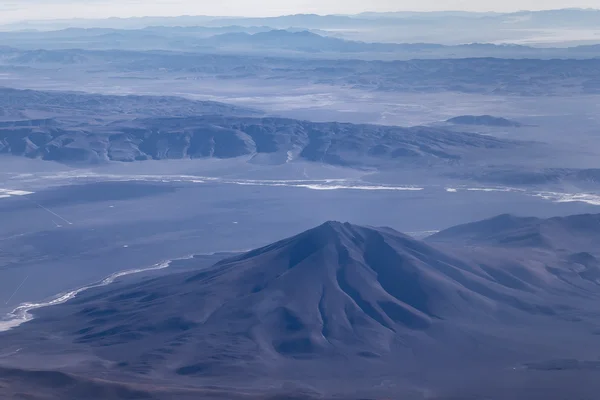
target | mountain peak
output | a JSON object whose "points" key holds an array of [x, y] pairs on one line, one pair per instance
{"points": [[335, 226], [337, 289]]}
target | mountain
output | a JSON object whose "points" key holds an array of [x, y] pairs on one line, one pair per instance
{"points": [[274, 140], [337, 303], [288, 41], [528, 77], [576, 233], [76, 127], [483, 120], [519, 176], [306, 41], [448, 28], [279, 39]]}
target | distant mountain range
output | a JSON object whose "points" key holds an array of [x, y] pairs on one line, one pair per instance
{"points": [[527, 77], [346, 303], [559, 17], [559, 27], [309, 42], [262, 39]]}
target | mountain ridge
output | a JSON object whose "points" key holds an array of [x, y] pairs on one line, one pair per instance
{"points": [[135, 128], [338, 302], [286, 19], [256, 39], [512, 231]]}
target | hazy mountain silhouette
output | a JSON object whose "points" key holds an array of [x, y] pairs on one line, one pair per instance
{"points": [[307, 41], [258, 40]]}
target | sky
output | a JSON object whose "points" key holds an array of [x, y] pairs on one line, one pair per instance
{"points": [[18, 10]]}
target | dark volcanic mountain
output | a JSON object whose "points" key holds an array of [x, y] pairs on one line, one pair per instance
{"points": [[338, 303]]}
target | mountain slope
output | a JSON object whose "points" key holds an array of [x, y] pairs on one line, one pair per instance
{"points": [[337, 290]]}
